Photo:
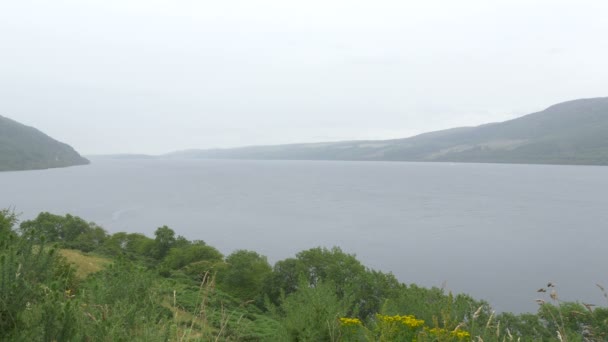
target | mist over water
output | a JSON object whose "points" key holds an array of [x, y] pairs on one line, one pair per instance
{"points": [[496, 232]]}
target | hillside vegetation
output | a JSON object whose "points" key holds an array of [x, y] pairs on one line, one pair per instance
{"points": [[26, 148], [574, 132], [65, 279]]}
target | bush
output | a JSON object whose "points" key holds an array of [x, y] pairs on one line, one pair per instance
{"points": [[244, 274]]}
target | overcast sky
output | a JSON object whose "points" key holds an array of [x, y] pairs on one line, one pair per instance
{"points": [[153, 76]]}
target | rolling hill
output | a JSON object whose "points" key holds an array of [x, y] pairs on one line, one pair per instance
{"points": [[26, 148], [574, 132]]}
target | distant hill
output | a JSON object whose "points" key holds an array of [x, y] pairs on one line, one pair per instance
{"points": [[574, 132], [26, 148]]}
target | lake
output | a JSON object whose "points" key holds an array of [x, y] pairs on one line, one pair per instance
{"points": [[496, 232]]}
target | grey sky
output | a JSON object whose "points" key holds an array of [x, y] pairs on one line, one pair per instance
{"points": [[152, 76]]}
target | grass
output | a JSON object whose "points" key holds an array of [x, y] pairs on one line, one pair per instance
{"points": [[85, 264], [204, 313]]}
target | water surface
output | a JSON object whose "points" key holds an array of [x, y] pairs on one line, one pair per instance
{"points": [[497, 232]]}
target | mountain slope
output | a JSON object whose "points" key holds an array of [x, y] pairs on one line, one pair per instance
{"points": [[574, 132], [26, 148]]}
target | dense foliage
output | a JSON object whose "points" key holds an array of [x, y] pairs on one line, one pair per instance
{"points": [[168, 288]]}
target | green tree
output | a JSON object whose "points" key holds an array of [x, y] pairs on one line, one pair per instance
{"points": [[178, 258], [181, 241], [245, 274], [367, 289], [72, 227], [316, 265], [90, 240], [45, 225], [69, 231], [133, 246], [165, 239]]}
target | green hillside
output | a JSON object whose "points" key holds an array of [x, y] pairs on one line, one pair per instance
{"points": [[574, 132], [26, 148]]}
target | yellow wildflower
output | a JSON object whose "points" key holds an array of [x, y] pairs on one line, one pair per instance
{"points": [[350, 321], [461, 334], [408, 320]]}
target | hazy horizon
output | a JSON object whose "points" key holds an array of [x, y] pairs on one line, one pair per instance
{"points": [[158, 76]]}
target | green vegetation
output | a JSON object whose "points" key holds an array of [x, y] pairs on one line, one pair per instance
{"points": [[574, 132], [65, 279], [26, 148]]}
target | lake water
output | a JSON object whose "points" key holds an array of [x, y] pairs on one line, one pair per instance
{"points": [[497, 232]]}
